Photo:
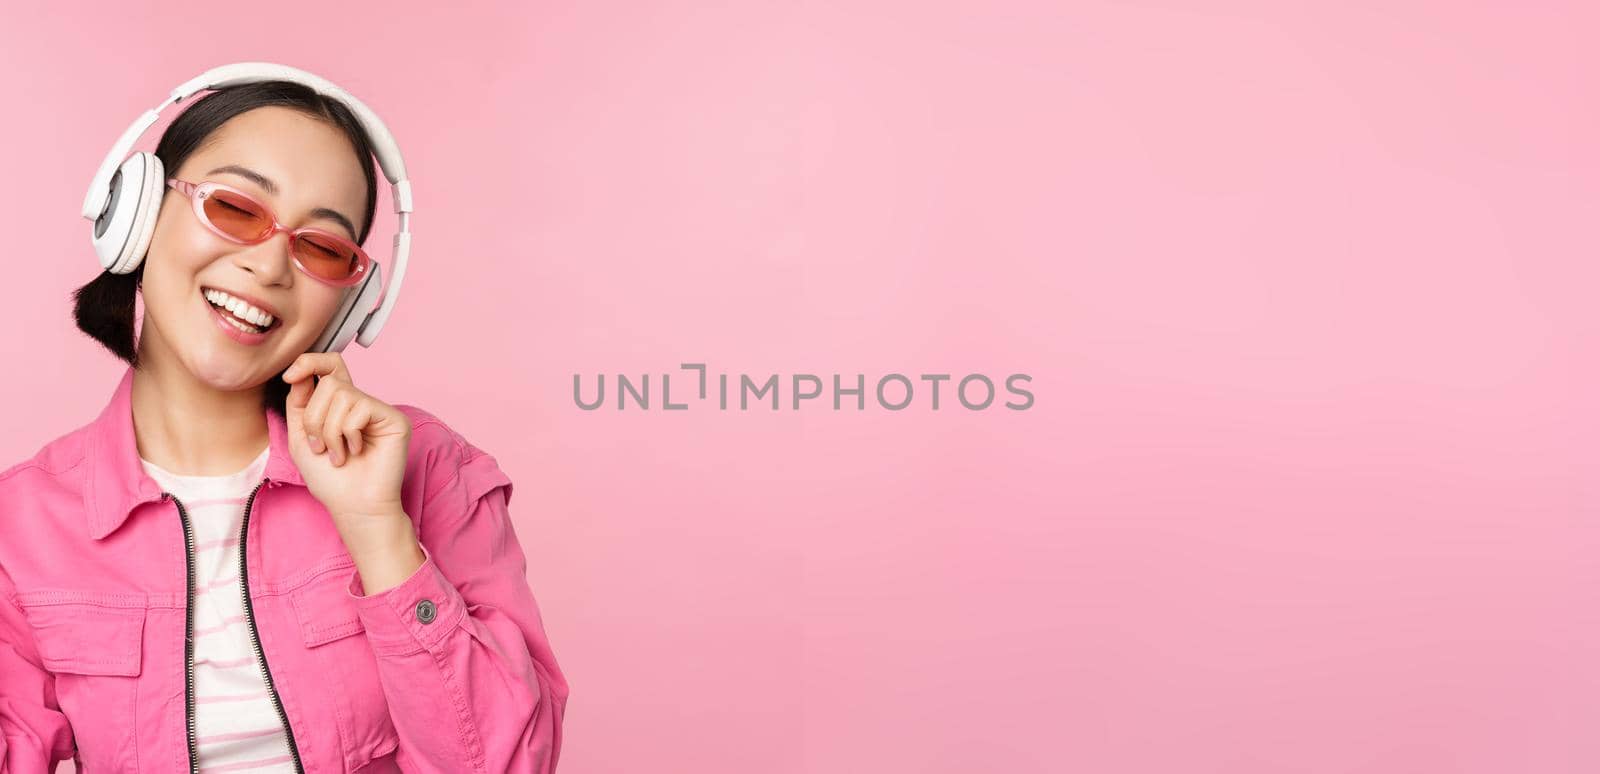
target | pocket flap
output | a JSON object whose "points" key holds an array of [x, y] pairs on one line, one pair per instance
{"points": [[87, 638], [325, 610]]}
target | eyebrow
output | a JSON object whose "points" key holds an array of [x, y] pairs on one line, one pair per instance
{"points": [[272, 188]]}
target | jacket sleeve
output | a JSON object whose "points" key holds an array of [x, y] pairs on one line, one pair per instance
{"points": [[470, 680], [34, 734]]}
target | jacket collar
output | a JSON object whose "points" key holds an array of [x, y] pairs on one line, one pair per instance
{"points": [[116, 482]]}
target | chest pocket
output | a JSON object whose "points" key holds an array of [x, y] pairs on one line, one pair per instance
{"points": [[331, 629], [93, 646]]}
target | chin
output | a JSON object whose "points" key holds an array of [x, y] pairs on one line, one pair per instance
{"points": [[231, 377], [224, 367]]}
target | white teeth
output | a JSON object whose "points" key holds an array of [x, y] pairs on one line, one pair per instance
{"points": [[240, 308], [240, 325]]}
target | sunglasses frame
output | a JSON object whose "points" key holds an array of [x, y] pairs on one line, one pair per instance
{"points": [[197, 193]]}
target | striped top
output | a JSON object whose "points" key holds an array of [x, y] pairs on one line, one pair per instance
{"points": [[237, 728]]}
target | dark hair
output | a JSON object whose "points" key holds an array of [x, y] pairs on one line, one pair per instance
{"points": [[104, 307]]}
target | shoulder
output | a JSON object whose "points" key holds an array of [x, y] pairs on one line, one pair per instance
{"points": [[451, 468], [45, 487], [434, 441], [52, 462]]}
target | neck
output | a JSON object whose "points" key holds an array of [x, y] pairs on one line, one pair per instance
{"points": [[192, 428]]}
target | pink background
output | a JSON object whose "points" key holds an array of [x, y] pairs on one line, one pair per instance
{"points": [[1307, 486]]}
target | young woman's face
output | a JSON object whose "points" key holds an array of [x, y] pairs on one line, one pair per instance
{"points": [[310, 165]]}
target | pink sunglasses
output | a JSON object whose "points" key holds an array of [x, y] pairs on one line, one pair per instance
{"points": [[237, 217]]}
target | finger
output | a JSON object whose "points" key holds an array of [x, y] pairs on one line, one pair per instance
{"points": [[316, 413], [328, 365], [299, 396], [294, 410], [355, 423], [299, 369], [333, 427]]}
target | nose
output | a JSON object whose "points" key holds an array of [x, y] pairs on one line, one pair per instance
{"points": [[269, 261]]}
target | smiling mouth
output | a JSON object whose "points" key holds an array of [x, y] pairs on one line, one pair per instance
{"points": [[239, 322]]}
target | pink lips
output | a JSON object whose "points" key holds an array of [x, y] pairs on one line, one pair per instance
{"points": [[243, 337]]}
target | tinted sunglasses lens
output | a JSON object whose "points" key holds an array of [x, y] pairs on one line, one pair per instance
{"points": [[235, 215], [328, 258]]}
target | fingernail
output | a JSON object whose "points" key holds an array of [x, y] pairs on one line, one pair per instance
{"points": [[316, 444]]}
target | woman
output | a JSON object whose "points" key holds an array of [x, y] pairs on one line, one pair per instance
{"points": [[247, 563]]}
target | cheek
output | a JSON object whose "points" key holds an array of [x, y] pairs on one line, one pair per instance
{"points": [[317, 307], [176, 249], [332, 301]]}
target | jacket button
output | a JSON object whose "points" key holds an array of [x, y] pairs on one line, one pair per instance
{"points": [[426, 611]]}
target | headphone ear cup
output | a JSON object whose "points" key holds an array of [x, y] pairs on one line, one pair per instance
{"points": [[122, 232], [352, 314], [144, 226]]}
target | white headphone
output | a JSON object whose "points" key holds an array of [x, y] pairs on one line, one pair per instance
{"points": [[127, 192]]}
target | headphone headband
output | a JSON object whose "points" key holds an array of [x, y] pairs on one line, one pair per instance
{"points": [[95, 202]]}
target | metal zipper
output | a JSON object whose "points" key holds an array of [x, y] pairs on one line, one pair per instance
{"points": [[255, 640], [188, 633], [250, 618]]}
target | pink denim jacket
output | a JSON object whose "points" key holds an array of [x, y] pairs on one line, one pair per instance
{"points": [[450, 671]]}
